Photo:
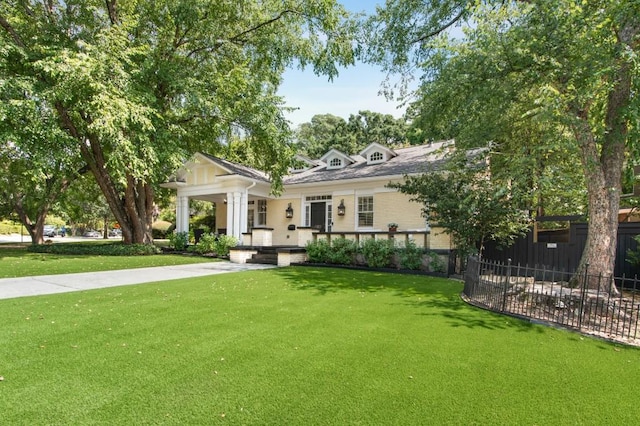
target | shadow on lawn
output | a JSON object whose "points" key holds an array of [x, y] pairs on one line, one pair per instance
{"points": [[428, 295]]}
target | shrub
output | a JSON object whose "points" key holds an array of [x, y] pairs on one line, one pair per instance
{"points": [[224, 243], [342, 251], [206, 244], [411, 256], [436, 264], [633, 256], [7, 227], [111, 249], [179, 240], [378, 253], [318, 251], [208, 223], [160, 228]]}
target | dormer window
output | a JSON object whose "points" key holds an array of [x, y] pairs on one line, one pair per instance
{"points": [[376, 153], [376, 157], [335, 159]]}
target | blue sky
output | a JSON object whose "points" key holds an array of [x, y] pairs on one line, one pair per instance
{"points": [[355, 89]]}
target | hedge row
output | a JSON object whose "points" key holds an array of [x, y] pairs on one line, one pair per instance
{"points": [[374, 253], [95, 249]]}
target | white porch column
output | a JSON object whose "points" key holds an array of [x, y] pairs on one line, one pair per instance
{"points": [[234, 209], [244, 208], [182, 214], [229, 213], [237, 208]]}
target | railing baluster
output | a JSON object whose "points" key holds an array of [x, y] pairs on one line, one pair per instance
{"points": [[489, 283]]}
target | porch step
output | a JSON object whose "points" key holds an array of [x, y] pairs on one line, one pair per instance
{"points": [[264, 258]]}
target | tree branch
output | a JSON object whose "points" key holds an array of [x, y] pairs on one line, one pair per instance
{"points": [[239, 38], [441, 29], [14, 35], [113, 12], [279, 16]]}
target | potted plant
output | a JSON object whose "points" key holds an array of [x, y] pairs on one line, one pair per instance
{"points": [[393, 227]]}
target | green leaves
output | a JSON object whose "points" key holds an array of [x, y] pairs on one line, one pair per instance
{"points": [[136, 87], [327, 131], [470, 205]]}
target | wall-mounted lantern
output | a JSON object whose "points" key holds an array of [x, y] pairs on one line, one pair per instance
{"points": [[289, 211], [341, 208]]}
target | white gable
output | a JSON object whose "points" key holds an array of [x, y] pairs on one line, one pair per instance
{"points": [[336, 159], [376, 153]]}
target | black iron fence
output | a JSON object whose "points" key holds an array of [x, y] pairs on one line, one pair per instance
{"points": [[605, 306]]}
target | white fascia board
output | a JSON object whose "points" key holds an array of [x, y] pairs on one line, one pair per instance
{"points": [[330, 183], [173, 184]]}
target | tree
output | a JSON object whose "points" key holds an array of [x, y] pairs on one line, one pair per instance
{"points": [[36, 167], [574, 64], [327, 131], [140, 85], [367, 127], [470, 204], [85, 206], [324, 132]]}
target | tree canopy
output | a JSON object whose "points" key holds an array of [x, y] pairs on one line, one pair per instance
{"points": [[551, 83], [470, 204], [327, 131], [138, 86]]}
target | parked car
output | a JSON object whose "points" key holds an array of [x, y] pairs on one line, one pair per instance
{"points": [[91, 233], [49, 231], [115, 233]]}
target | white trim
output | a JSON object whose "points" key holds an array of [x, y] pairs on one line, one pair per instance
{"points": [[334, 154], [360, 194], [334, 182]]}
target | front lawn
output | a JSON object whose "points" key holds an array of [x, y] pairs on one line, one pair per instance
{"points": [[298, 346], [18, 262]]}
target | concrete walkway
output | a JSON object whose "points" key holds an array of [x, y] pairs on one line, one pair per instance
{"points": [[50, 284]]}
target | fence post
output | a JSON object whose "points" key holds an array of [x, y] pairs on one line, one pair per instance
{"points": [[583, 295], [506, 286]]}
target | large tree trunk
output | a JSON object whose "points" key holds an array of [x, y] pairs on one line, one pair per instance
{"points": [[603, 171], [133, 207], [35, 229]]}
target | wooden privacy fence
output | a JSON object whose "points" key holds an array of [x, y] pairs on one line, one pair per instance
{"points": [[564, 253], [547, 295]]}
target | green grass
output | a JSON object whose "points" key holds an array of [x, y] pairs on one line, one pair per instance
{"points": [[18, 262], [300, 346]]}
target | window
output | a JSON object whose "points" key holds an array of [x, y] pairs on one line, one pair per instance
{"points": [[376, 157], [335, 162], [262, 212], [365, 211]]}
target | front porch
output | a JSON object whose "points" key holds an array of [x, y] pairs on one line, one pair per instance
{"points": [[259, 242]]}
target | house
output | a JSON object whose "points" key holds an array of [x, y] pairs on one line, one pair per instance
{"points": [[338, 195]]}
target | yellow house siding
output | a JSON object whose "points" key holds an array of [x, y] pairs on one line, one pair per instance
{"points": [[276, 219], [221, 216], [439, 240], [344, 223], [396, 207]]}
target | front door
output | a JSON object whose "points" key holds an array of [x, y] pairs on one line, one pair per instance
{"points": [[319, 216]]}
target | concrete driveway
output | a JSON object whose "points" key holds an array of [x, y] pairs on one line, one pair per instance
{"points": [[50, 284]]}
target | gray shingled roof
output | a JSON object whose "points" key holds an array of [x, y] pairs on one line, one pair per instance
{"points": [[411, 160], [408, 161], [239, 169]]}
